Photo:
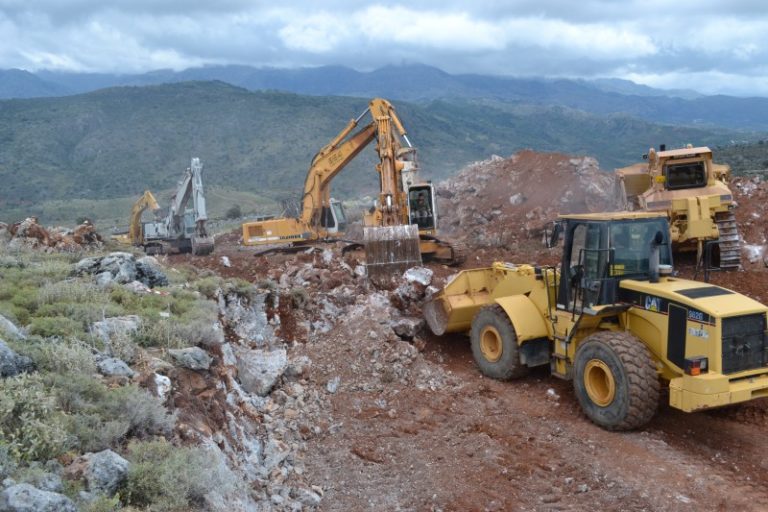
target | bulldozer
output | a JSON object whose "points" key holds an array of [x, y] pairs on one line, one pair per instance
{"points": [[179, 228], [400, 228], [613, 319], [693, 191]]}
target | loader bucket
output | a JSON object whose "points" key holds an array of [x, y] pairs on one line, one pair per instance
{"points": [[436, 316], [390, 251]]}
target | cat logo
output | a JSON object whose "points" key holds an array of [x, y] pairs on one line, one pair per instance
{"points": [[651, 303]]}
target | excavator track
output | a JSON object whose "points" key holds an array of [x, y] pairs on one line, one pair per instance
{"points": [[459, 253], [730, 244]]}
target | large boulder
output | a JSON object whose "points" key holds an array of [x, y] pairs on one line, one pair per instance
{"points": [[10, 328], [193, 358], [114, 367], [259, 370], [11, 363], [149, 273], [115, 327], [26, 498], [104, 472]]}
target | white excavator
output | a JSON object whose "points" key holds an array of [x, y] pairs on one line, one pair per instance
{"points": [[179, 229]]}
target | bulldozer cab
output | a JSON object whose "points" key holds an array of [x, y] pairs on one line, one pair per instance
{"points": [[421, 206], [600, 250], [678, 176], [333, 218]]}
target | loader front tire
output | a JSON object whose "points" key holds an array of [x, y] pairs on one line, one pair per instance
{"points": [[615, 380], [494, 344]]}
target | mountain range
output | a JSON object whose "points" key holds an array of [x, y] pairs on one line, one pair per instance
{"points": [[420, 84]]}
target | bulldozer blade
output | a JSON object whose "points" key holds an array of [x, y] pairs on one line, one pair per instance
{"points": [[390, 251], [436, 317]]}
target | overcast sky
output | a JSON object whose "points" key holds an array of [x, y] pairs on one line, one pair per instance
{"points": [[704, 45]]}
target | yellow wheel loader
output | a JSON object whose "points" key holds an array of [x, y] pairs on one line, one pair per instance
{"points": [[694, 192], [613, 319]]}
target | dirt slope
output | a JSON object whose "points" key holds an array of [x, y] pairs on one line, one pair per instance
{"points": [[411, 424]]}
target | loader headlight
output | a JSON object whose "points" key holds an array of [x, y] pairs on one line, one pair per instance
{"points": [[696, 365]]}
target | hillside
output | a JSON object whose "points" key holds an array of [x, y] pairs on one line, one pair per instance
{"points": [[420, 83], [117, 142], [745, 158]]}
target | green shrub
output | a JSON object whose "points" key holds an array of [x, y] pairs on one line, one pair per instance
{"points": [[31, 425], [55, 326], [58, 356], [104, 504], [100, 417], [163, 477], [208, 286]]}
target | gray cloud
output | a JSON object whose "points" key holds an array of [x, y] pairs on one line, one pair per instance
{"points": [[710, 46]]}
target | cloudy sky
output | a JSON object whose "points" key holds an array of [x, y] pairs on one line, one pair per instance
{"points": [[704, 45]]}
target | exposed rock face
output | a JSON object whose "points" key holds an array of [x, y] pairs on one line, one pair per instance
{"points": [[11, 363], [259, 370], [407, 326], [247, 317], [26, 498], [123, 268], [193, 358]]}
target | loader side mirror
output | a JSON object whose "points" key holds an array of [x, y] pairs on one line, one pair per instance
{"points": [[552, 233]]}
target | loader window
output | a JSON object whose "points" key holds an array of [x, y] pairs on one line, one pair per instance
{"points": [[689, 175], [586, 259], [630, 245]]}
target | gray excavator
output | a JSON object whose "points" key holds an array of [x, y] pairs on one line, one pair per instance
{"points": [[181, 229]]}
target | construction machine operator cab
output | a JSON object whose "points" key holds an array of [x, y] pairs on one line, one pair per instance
{"points": [[333, 217], [600, 251], [421, 207]]}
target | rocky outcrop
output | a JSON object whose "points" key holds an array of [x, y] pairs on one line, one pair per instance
{"points": [[192, 358], [26, 498], [259, 370], [11, 363]]}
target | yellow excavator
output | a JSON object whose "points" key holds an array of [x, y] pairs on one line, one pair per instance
{"points": [[402, 225], [135, 236]]}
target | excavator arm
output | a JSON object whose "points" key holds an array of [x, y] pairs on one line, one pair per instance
{"points": [[147, 200]]}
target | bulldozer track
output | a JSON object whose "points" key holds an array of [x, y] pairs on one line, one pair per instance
{"points": [[730, 244]]}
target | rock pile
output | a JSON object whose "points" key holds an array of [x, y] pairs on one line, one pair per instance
{"points": [[29, 233], [500, 201], [123, 268]]}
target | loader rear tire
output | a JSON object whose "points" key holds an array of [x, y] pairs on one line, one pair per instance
{"points": [[494, 344], [615, 380]]}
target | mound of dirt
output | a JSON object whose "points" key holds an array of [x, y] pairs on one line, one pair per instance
{"points": [[501, 201]]}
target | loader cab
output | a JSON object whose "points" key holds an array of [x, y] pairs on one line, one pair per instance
{"points": [[333, 217], [599, 251], [422, 207]]}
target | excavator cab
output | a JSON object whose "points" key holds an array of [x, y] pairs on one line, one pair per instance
{"points": [[422, 207], [333, 218]]}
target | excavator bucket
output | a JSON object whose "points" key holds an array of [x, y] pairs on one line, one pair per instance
{"points": [[390, 251], [202, 245]]}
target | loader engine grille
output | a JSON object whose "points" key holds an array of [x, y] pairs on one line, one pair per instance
{"points": [[744, 343]]}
